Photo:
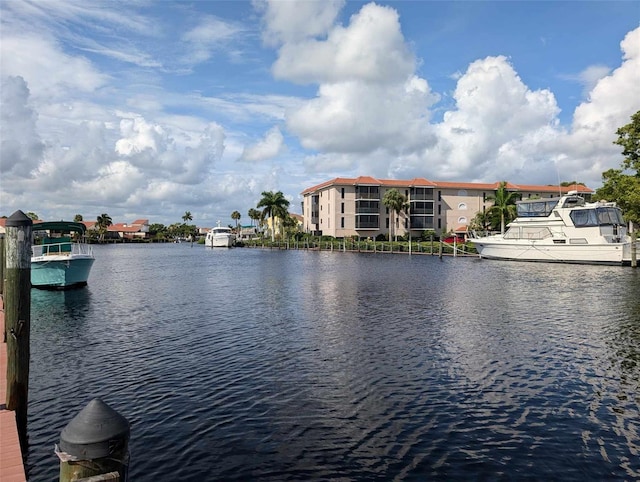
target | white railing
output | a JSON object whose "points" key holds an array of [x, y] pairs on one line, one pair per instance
{"points": [[63, 249]]}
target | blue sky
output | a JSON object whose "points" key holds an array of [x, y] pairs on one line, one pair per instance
{"points": [[146, 109]]}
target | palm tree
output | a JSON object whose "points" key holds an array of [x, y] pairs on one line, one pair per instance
{"points": [[103, 222], [396, 203], [187, 216], [504, 204], [254, 215], [275, 205], [235, 215]]}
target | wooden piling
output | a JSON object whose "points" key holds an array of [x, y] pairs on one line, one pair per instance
{"points": [[1, 264], [94, 445], [17, 301]]}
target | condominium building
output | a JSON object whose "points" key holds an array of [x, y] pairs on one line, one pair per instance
{"points": [[345, 207]]}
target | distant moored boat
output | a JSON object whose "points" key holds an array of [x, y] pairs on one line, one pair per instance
{"points": [[220, 237]]}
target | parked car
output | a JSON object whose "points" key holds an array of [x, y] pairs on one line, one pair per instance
{"points": [[458, 238]]}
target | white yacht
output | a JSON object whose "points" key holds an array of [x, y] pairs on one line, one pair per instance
{"points": [[220, 237], [565, 230]]}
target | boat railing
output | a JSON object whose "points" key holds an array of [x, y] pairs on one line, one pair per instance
{"points": [[61, 249]]}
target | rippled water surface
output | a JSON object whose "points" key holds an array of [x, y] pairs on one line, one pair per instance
{"points": [[248, 364]]}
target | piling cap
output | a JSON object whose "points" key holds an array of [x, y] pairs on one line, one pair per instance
{"points": [[18, 219], [96, 432]]}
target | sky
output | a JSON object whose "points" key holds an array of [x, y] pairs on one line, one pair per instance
{"points": [[149, 109]]}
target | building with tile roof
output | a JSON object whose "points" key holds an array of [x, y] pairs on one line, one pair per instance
{"points": [[346, 207]]}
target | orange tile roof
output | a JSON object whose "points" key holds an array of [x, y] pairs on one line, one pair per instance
{"points": [[422, 182]]}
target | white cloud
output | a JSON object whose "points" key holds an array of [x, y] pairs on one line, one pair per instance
{"points": [[209, 35], [290, 22], [50, 73], [370, 49], [268, 147], [125, 137], [138, 136], [20, 146], [590, 76]]}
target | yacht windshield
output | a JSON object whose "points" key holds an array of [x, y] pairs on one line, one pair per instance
{"points": [[536, 208], [602, 216]]}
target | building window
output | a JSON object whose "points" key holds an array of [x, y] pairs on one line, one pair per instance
{"points": [[439, 195], [342, 193], [367, 192], [439, 223], [462, 206], [439, 209], [462, 192], [342, 208], [462, 220], [366, 222], [387, 223], [342, 222]]}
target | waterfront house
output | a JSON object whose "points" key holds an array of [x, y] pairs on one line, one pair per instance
{"points": [[137, 230], [346, 207]]}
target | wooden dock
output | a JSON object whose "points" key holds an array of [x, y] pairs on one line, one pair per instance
{"points": [[11, 463]]}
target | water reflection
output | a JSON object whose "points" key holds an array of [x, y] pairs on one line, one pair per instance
{"points": [[273, 365]]}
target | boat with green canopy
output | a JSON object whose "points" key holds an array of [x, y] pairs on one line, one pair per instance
{"points": [[61, 258]]}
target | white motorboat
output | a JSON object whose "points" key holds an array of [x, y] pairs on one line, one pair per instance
{"points": [[61, 260], [565, 230], [220, 237]]}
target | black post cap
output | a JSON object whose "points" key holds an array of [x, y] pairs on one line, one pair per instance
{"points": [[18, 219], [95, 432]]}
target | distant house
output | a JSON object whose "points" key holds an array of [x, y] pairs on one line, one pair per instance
{"points": [[278, 222], [248, 232], [137, 230]]}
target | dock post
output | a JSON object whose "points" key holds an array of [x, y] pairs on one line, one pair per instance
{"points": [[440, 250], [1, 263], [95, 442], [17, 316], [634, 249]]}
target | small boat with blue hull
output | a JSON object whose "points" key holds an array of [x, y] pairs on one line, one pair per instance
{"points": [[60, 260]]}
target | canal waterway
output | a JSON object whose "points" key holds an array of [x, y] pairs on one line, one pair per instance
{"points": [[251, 364]]}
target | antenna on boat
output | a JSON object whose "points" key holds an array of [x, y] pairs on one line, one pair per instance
{"points": [[558, 174]]}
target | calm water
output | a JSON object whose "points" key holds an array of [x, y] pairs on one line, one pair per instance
{"points": [[247, 364]]}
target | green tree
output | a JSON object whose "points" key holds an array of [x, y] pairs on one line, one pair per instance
{"points": [[290, 225], [396, 203], [274, 205], [504, 204], [481, 222], [629, 140], [618, 186], [32, 216], [254, 215], [186, 217], [78, 218], [157, 231], [103, 222], [235, 215]]}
